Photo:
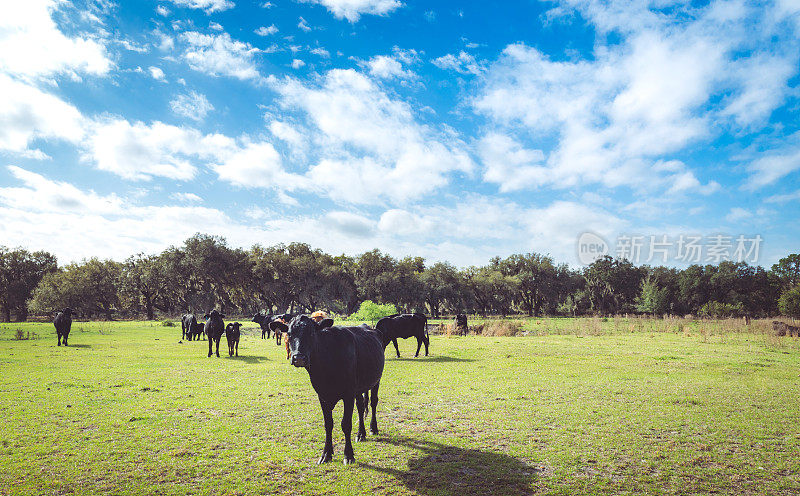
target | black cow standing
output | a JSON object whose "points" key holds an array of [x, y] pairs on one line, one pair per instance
{"points": [[285, 318], [461, 324], [343, 363], [214, 328], [232, 335], [188, 320], [63, 323], [404, 326], [263, 321]]}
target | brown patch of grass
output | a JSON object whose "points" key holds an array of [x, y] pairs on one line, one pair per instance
{"points": [[502, 328]]}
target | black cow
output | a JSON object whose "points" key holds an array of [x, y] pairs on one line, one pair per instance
{"points": [[232, 335], [186, 325], [63, 323], [214, 328], [286, 318], [196, 331], [263, 321], [404, 326], [343, 363], [461, 324]]}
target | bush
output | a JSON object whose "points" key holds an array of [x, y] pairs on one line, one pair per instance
{"points": [[167, 323], [502, 328], [370, 311], [719, 310], [789, 302]]}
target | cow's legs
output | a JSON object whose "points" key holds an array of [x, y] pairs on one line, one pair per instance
{"points": [[263, 333], [209, 347], [237, 348], [394, 342], [419, 345], [59, 340], [428, 342], [373, 425], [217, 340], [66, 336], [327, 415], [362, 431], [347, 428]]}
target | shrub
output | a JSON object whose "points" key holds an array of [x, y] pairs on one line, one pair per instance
{"points": [[719, 310], [166, 323], [370, 311], [502, 328], [789, 302]]}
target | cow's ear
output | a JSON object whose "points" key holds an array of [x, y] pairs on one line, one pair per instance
{"points": [[278, 326], [322, 324]]}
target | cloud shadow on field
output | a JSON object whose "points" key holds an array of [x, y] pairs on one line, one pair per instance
{"points": [[444, 470], [438, 359]]}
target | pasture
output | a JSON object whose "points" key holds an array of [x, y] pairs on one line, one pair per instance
{"points": [[574, 407]]}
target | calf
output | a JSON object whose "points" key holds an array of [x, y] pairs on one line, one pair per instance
{"points": [[461, 324], [214, 328], [187, 320], [196, 331], [404, 326], [232, 335], [343, 363], [63, 323]]}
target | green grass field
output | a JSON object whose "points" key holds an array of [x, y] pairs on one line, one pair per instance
{"points": [[126, 409]]}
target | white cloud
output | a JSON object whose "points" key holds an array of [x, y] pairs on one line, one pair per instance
{"points": [[662, 87], [352, 10], [186, 197], [289, 134], [784, 198], [32, 46], [462, 63], [192, 105], [256, 165], [157, 73], [387, 67], [510, 165], [297, 64], [304, 25], [738, 214], [349, 224], [162, 11], [775, 164], [209, 6], [28, 114], [219, 55], [266, 30], [140, 152], [321, 52], [368, 141]]}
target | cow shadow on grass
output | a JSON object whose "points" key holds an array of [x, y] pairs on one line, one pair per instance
{"points": [[255, 360], [438, 359], [79, 346], [444, 470]]}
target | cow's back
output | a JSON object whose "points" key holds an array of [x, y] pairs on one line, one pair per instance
{"points": [[62, 323], [346, 361]]}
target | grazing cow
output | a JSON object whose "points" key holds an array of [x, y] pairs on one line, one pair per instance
{"points": [[263, 322], [196, 331], [784, 329], [187, 320], [343, 363], [285, 318], [63, 323], [232, 335], [461, 324], [404, 326], [214, 328]]}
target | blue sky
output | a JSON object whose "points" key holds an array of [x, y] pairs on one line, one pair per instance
{"points": [[451, 130]]}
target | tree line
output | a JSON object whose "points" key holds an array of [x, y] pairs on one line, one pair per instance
{"points": [[206, 273]]}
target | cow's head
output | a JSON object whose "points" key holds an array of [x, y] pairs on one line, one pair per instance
{"points": [[258, 318], [213, 314], [234, 327], [67, 311], [301, 337]]}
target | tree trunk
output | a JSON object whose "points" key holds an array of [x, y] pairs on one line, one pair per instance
{"points": [[148, 303]]}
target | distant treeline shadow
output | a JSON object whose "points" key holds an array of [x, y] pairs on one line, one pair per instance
{"points": [[451, 471]]}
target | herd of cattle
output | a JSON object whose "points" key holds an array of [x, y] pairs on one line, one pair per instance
{"points": [[344, 363], [784, 329]]}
